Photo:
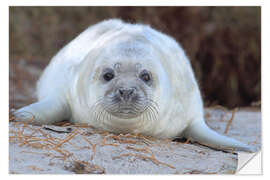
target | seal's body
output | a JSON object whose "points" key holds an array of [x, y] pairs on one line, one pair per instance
{"points": [[125, 78]]}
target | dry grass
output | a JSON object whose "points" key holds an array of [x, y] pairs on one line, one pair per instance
{"points": [[230, 120], [37, 137]]}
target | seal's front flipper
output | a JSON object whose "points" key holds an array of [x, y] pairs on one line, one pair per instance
{"points": [[200, 132], [47, 111]]}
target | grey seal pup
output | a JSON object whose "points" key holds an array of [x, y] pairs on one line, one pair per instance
{"points": [[125, 78]]}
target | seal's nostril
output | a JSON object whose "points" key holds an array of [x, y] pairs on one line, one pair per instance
{"points": [[126, 93], [121, 92], [131, 91]]}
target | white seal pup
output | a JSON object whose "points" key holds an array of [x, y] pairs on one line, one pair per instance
{"points": [[125, 78]]}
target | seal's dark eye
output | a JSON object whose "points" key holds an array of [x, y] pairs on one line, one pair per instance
{"points": [[108, 76], [145, 76]]}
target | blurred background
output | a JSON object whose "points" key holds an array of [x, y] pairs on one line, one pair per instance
{"points": [[223, 44]]}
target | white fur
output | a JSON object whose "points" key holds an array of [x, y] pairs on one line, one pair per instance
{"points": [[69, 85]]}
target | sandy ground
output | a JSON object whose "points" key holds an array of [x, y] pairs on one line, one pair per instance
{"points": [[69, 148]]}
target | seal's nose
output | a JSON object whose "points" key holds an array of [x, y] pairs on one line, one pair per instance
{"points": [[126, 93]]}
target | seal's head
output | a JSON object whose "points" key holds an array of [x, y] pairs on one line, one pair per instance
{"points": [[125, 81], [124, 84]]}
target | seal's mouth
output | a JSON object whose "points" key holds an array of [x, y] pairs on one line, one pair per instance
{"points": [[125, 106], [110, 109], [126, 112], [126, 109]]}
